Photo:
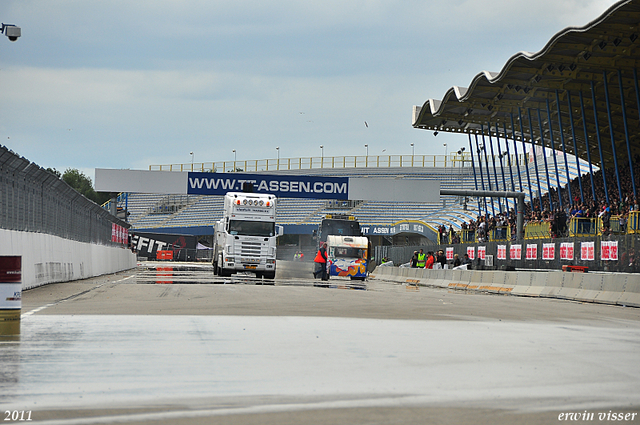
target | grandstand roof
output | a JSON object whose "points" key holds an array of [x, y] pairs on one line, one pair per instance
{"points": [[602, 56]]}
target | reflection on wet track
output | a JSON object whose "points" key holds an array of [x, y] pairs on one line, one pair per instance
{"points": [[202, 363], [175, 273]]}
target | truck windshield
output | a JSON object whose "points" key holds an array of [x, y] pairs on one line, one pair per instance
{"points": [[349, 252], [339, 227], [252, 228]]}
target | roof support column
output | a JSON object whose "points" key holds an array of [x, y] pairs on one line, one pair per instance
{"points": [[475, 177], [493, 161], [486, 211], [564, 149], [515, 147], [506, 142], [586, 141], [626, 132], [575, 143], [535, 161], [544, 157], [553, 149], [486, 162], [595, 116], [504, 182], [613, 143], [526, 162]]}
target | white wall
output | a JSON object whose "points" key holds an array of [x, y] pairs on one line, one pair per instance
{"points": [[48, 259]]}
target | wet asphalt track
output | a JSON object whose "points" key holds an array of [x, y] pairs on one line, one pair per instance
{"points": [[162, 346]]}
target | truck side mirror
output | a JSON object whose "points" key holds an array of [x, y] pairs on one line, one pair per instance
{"points": [[279, 230]]}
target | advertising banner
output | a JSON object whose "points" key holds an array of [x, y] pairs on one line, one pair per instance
{"points": [[482, 251], [587, 251], [609, 250], [532, 251], [148, 244], [548, 251], [449, 253], [282, 186], [471, 252], [502, 252], [566, 251], [515, 252]]}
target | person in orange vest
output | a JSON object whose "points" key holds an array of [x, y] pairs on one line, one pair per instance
{"points": [[430, 260], [321, 262]]}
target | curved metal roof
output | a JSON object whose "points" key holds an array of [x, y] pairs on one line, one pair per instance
{"points": [[597, 62]]}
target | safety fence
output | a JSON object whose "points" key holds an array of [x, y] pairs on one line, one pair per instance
{"points": [[33, 199], [365, 161], [617, 253]]}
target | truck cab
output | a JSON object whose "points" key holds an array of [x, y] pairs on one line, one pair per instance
{"points": [[245, 237]]}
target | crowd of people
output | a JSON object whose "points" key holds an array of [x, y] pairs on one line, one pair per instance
{"points": [[435, 260], [558, 217]]}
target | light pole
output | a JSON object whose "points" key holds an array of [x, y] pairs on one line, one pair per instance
{"points": [[366, 146], [321, 156], [191, 153], [461, 153], [445, 154], [234, 160], [413, 150], [278, 156]]}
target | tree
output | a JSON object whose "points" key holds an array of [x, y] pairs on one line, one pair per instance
{"points": [[54, 171], [83, 184]]}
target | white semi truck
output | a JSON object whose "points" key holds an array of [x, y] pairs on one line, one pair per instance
{"points": [[245, 237]]}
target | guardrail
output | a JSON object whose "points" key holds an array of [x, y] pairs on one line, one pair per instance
{"points": [[329, 162], [540, 230]]}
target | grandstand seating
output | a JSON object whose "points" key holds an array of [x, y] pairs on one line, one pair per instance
{"points": [[205, 210]]}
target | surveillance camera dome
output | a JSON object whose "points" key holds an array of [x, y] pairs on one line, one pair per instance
{"points": [[13, 38]]}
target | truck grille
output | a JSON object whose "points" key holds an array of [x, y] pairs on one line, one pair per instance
{"points": [[250, 249]]}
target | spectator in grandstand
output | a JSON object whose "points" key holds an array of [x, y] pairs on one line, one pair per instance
{"points": [[622, 221], [466, 259], [456, 260]]}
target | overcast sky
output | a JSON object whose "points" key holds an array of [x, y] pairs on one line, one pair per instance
{"points": [[126, 84]]}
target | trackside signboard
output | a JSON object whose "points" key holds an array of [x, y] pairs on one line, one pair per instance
{"points": [[281, 186]]}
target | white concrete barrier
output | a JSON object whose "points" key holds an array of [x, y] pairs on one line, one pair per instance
{"points": [[49, 259], [606, 288], [631, 294]]}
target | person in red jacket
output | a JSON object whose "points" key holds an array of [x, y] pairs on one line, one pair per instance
{"points": [[430, 260], [321, 262]]}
